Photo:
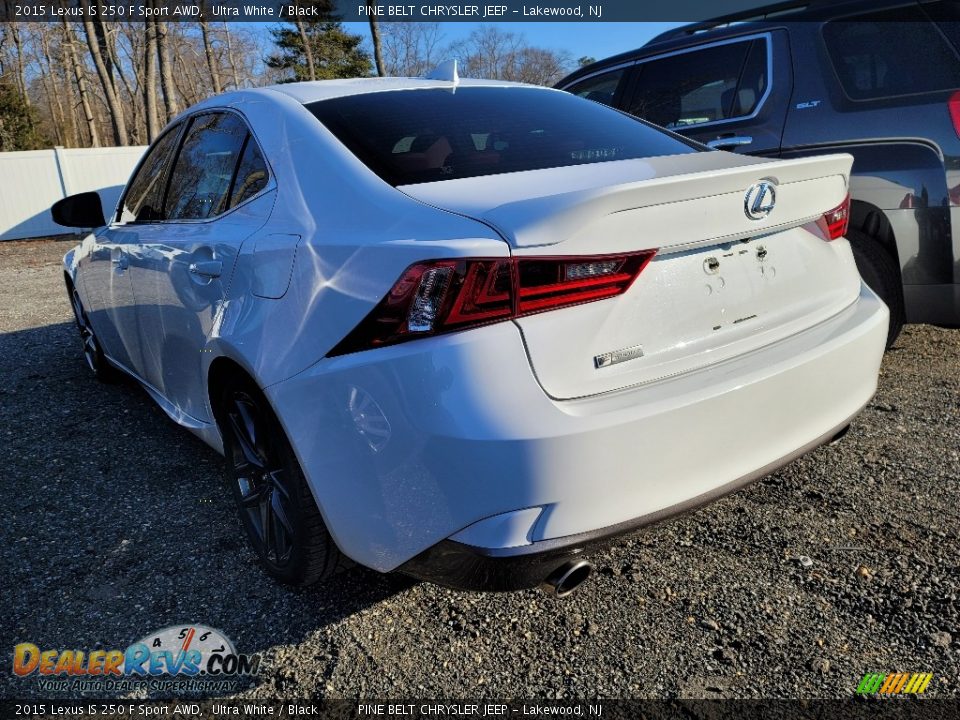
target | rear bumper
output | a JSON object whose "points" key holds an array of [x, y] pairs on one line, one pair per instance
{"points": [[466, 567], [469, 466]]}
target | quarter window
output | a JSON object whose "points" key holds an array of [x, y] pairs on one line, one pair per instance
{"points": [[690, 88], [204, 170], [600, 88], [876, 57], [252, 174], [143, 201]]}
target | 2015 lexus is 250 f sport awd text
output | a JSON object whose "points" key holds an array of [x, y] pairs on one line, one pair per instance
{"points": [[468, 329]]}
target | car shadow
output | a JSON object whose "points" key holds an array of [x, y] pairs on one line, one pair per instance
{"points": [[121, 523]]}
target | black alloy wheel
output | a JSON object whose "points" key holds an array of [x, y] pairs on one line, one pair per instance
{"points": [[92, 353], [277, 509]]}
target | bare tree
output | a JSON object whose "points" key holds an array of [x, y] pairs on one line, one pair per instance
{"points": [[490, 52], [412, 49], [150, 79], [70, 44], [166, 72], [105, 73], [212, 66], [375, 39]]}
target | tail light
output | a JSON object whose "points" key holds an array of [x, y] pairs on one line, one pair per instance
{"points": [[441, 296], [834, 222], [953, 105]]}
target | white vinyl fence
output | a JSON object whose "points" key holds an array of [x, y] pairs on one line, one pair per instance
{"points": [[32, 181]]}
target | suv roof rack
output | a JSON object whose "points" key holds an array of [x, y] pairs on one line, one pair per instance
{"points": [[761, 12]]}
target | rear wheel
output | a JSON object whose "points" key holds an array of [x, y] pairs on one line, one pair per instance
{"points": [[92, 352], [276, 507], [880, 272]]}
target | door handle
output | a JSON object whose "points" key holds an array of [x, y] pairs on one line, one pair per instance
{"points": [[120, 261], [722, 142], [207, 268]]}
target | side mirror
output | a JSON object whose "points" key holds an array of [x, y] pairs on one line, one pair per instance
{"points": [[82, 210]]}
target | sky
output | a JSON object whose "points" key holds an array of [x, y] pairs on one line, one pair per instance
{"points": [[593, 39]]}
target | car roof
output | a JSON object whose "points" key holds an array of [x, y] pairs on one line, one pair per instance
{"points": [[312, 91], [756, 19]]}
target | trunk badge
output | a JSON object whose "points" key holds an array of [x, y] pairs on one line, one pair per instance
{"points": [[617, 356], [759, 201]]}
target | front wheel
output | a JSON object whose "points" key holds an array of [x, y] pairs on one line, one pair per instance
{"points": [[277, 509], [92, 352], [880, 272]]}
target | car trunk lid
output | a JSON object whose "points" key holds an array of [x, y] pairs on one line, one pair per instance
{"points": [[727, 278]]}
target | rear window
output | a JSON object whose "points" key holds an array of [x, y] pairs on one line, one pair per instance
{"points": [[889, 54], [701, 86], [415, 136]]}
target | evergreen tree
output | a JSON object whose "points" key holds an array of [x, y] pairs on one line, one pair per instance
{"points": [[19, 126], [319, 48]]}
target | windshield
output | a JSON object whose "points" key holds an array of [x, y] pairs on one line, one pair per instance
{"points": [[416, 136]]}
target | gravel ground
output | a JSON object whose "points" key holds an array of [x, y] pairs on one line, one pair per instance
{"points": [[842, 563]]}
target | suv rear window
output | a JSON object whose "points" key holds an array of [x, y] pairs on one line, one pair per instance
{"points": [[694, 87], [414, 136], [889, 54]]}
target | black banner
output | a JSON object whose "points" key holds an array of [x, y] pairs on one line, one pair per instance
{"points": [[854, 709], [394, 10]]}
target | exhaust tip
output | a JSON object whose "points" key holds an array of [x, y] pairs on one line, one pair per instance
{"points": [[567, 578]]}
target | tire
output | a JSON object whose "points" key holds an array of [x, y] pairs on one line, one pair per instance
{"points": [[92, 352], [880, 272], [276, 507]]}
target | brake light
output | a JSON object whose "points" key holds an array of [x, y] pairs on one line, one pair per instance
{"points": [[440, 296], [953, 105], [834, 222]]}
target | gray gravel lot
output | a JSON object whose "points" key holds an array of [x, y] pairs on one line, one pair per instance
{"points": [[119, 523]]}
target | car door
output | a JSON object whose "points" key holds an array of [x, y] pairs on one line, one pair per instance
{"points": [[216, 197], [731, 94], [108, 278]]}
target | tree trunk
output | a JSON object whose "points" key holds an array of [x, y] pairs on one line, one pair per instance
{"points": [[150, 79], [311, 68], [70, 44], [21, 72], [211, 60], [375, 38], [48, 81], [115, 107], [166, 70], [233, 62]]}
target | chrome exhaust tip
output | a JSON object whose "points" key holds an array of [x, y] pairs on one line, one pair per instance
{"points": [[566, 578]]}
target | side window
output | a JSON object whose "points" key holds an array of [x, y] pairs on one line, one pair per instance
{"points": [[143, 200], [251, 175], [875, 57], [600, 88], [716, 83], [203, 172]]}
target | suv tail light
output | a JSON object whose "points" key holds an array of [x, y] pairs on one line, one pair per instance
{"points": [[441, 296], [953, 105], [834, 222]]}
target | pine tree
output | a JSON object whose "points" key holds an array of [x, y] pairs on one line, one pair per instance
{"points": [[318, 49], [19, 127]]}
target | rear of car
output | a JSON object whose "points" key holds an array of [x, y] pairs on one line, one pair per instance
{"points": [[877, 80], [660, 325]]}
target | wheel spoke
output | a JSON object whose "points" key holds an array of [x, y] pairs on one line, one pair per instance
{"points": [[282, 530], [244, 431], [266, 524], [255, 497], [278, 478]]}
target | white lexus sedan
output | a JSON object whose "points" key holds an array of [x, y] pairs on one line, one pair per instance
{"points": [[467, 329]]}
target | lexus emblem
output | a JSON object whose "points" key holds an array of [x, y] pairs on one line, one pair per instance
{"points": [[759, 200]]}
